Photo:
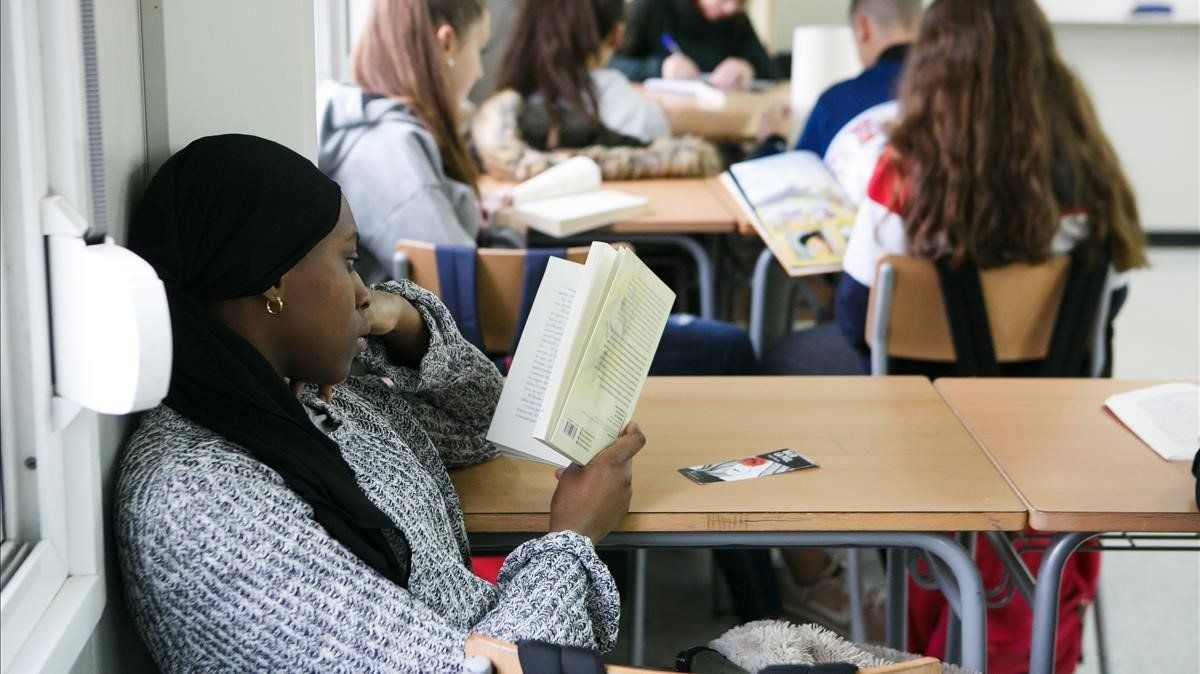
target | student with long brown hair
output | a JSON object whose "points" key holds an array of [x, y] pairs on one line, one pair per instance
{"points": [[567, 75], [393, 139], [997, 158], [554, 98]]}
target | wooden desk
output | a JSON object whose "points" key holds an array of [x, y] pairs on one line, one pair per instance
{"points": [[677, 206], [1078, 470], [736, 120], [892, 457], [895, 467], [680, 206], [1076, 467]]}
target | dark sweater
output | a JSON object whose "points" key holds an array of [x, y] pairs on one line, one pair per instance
{"points": [[705, 42], [844, 101]]}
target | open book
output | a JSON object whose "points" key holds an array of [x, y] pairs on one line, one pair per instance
{"points": [[797, 207], [583, 357], [567, 199], [1166, 417]]}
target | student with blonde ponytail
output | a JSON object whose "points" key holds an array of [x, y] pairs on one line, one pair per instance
{"points": [[391, 139]]}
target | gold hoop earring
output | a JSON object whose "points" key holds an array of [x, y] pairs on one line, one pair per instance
{"points": [[275, 305]]}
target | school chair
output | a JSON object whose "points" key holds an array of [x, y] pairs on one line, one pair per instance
{"points": [[505, 660], [907, 315], [499, 285], [1055, 313]]}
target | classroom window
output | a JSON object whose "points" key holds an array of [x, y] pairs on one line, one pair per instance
{"points": [[337, 23], [51, 557], [12, 541]]}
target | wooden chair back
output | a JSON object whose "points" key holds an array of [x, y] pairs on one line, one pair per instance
{"points": [[906, 310], [503, 656], [499, 274]]}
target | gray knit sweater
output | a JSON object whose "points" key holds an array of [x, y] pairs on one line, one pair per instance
{"points": [[225, 568]]}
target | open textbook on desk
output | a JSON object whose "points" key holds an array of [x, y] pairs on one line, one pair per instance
{"points": [[568, 199], [583, 357], [798, 208]]}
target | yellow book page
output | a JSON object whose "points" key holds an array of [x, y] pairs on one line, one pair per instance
{"points": [[615, 362]]}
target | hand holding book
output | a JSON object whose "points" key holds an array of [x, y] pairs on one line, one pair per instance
{"points": [[584, 354], [592, 499]]}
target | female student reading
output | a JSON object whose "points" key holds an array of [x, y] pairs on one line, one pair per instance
{"points": [[268, 520], [998, 157], [393, 140]]}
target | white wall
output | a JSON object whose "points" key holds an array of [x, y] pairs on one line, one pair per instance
{"points": [[230, 66], [1145, 82]]}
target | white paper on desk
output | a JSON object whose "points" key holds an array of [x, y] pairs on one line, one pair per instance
{"points": [[705, 94], [1166, 417], [521, 400]]}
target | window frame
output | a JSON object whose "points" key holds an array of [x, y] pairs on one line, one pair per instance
{"points": [[51, 603]]}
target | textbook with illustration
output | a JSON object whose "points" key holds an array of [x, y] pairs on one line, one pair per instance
{"points": [[798, 208], [582, 359], [1166, 417], [566, 200]]}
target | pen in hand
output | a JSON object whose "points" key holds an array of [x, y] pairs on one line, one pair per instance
{"points": [[670, 43], [677, 66]]}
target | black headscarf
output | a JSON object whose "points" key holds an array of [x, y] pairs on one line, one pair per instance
{"points": [[224, 218]]}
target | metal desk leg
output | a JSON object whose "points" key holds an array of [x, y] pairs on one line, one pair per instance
{"points": [[854, 590], [1012, 561], [954, 625], [1045, 599], [758, 299], [897, 600], [637, 642], [1101, 637]]}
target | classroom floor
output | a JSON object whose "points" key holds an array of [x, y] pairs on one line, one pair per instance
{"points": [[1152, 600]]}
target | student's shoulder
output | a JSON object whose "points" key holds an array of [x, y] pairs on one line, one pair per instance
{"points": [[607, 80], [171, 459], [400, 140], [845, 94]]}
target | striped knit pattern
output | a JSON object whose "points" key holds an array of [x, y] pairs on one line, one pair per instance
{"points": [[226, 570]]}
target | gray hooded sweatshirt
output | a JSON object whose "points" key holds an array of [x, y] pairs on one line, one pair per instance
{"points": [[390, 171]]}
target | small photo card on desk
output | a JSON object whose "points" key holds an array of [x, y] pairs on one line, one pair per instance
{"points": [[771, 463]]}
